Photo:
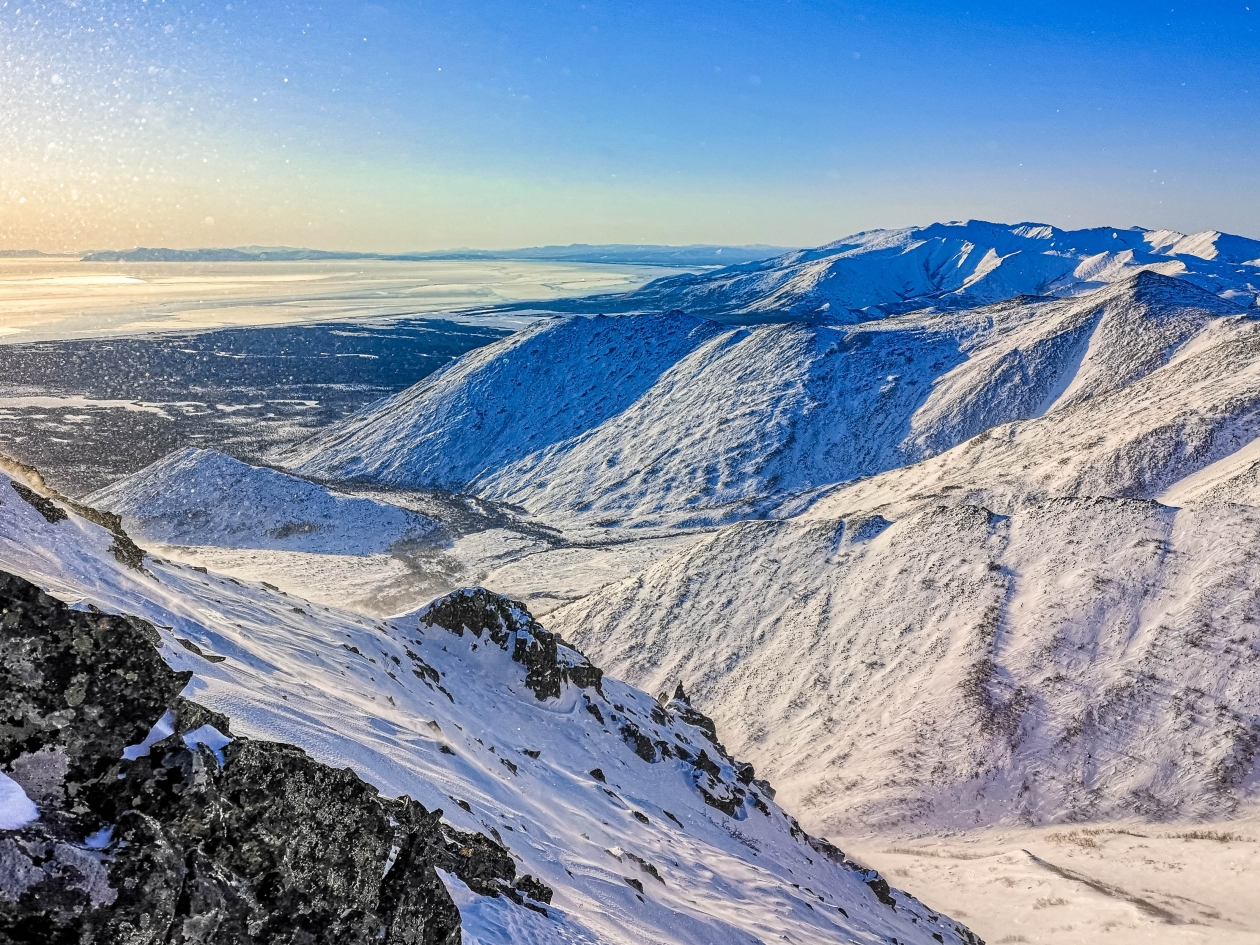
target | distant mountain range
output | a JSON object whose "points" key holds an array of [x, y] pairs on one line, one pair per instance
{"points": [[944, 266], [619, 254]]}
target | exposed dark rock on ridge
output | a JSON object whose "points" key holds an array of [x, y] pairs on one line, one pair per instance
{"points": [[550, 661], [201, 839], [49, 502]]}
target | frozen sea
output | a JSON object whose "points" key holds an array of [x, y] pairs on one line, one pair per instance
{"points": [[106, 367], [61, 298]]}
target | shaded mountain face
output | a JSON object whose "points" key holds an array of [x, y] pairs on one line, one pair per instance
{"points": [[952, 266], [315, 774], [668, 419]]}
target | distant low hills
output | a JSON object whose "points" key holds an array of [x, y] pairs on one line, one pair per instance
{"points": [[617, 253]]}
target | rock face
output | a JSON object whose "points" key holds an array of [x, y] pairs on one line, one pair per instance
{"points": [[197, 836], [509, 624]]}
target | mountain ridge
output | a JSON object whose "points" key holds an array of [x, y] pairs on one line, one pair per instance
{"points": [[671, 419], [695, 254], [633, 820], [954, 265]]}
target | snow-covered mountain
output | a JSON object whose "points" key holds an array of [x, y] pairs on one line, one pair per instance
{"points": [[669, 419], [379, 552], [944, 528], [1078, 660], [631, 820], [955, 265], [1187, 410]]}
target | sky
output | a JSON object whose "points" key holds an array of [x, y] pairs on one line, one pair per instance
{"points": [[392, 126]]}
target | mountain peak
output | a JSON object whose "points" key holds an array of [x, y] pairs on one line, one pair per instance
{"points": [[955, 265]]}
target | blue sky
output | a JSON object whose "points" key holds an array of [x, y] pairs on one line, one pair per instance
{"points": [[435, 124]]}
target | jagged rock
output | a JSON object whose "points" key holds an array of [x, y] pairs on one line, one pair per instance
{"points": [[641, 744], [647, 867], [485, 867], [44, 498], [535, 889], [231, 841], [829, 850], [879, 886], [79, 686], [507, 622], [716, 792], [704, 763], [46, 507], [681, 706]]}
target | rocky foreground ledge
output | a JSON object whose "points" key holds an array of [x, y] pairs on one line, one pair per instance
{"points": [[156, 825]]}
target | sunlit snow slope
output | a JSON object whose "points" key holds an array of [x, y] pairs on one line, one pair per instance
{"points": [[597, 789], [204, 497]]}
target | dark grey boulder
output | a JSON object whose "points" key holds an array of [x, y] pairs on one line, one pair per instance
{"points": [[258, 843]]}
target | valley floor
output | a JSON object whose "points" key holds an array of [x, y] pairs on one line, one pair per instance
{"points": [[1119, 884]]}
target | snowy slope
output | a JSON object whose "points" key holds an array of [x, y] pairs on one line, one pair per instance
{"points": [[203, 497], [955, 265], [634, 853], [1079, 659], [669, 420], [1198, 409]]}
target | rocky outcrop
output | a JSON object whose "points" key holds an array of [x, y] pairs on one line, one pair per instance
{"points": [[157, 826], [507, 623]]}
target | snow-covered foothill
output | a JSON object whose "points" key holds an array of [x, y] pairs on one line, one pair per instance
{"points": [[204, 497], [379, 552], [644, 828]]}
